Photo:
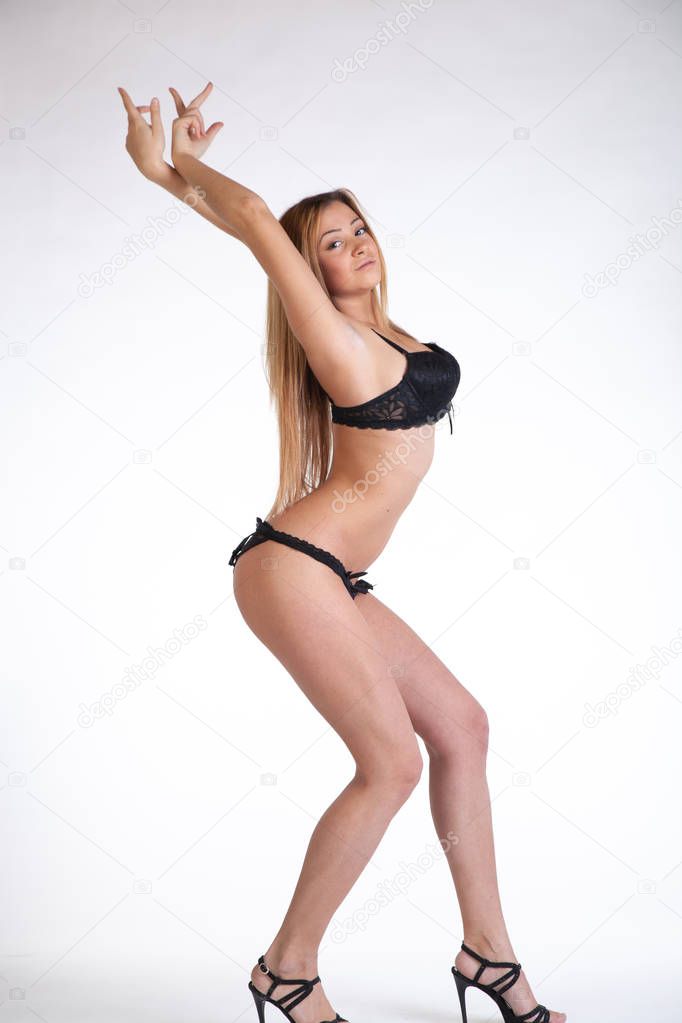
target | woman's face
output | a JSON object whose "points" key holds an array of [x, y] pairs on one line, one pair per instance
{"points": [[343, 245]]}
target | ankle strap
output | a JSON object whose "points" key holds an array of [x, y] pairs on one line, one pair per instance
{"points": [[512, 975], [298, 995], [487, 962]]}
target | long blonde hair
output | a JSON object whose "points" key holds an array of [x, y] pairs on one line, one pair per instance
{"points": [[303, 409]]}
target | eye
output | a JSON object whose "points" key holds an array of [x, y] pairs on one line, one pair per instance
{"points": [[338, 239]]}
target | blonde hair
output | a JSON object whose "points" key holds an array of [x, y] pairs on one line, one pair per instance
{"points": [[302, 408]]}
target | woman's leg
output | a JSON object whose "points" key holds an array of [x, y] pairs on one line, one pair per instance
{"points": [[454, 727], [303, 613]]}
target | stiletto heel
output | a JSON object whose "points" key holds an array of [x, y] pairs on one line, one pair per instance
{"points": [[462, 983], [291, 997], [540, 1014], [260, 1002]]}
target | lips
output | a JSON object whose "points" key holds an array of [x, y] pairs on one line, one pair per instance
{"points": [[368, 262]]}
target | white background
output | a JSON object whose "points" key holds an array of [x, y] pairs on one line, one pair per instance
{"points": [[503, 151]]}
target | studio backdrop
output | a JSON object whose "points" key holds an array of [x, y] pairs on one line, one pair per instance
{"points": [[161, 772]]}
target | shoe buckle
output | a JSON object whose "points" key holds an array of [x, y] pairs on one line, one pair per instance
{"points": [[263, 968]]}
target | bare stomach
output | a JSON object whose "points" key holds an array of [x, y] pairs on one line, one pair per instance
{"points": [[374, 476]]}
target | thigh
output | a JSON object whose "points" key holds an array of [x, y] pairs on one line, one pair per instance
{"points": [[443, 712], [301, 610]]}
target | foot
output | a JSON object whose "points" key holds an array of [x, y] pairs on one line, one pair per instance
{"points": [[519, 996], [314, 1008]]}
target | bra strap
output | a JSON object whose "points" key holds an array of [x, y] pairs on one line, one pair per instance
{"points": [[391, 343]]}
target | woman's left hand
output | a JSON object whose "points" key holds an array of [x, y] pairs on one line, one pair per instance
{"points": [[189, 136]]}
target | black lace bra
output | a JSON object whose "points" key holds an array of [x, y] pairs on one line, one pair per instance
{"points": [[423, 395]]}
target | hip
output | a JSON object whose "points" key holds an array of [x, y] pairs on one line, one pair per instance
{"points": [[356, 531]]}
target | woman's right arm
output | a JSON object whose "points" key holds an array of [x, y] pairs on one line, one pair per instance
{"points": [[169, 178], [323, 332]]}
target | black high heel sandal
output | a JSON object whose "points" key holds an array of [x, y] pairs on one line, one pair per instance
{"points": [[540, 1014], [306, 986]]}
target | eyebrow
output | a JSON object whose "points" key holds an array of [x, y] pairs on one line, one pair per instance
{"points": [[332, 229]]}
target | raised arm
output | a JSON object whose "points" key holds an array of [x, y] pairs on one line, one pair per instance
{"points": [[324, 333], [170, 179], [145, 144]]}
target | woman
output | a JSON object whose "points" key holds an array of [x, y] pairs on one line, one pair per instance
{"points": [[299, 577]]}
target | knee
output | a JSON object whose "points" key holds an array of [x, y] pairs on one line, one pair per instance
{"points": [[465, 734], [408, 771], [478, 726], [395, 773]]}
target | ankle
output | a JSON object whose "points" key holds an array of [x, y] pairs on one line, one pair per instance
{"points": [[490, 945], [292, 962]]}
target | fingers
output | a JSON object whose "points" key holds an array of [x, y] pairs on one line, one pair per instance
{"points": [[135, 112], [194, 103], [131, 109], [179, 105], [195, 128], [156, 118], [201, 96], [190, 118], [190, 122], [198, 126]]}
